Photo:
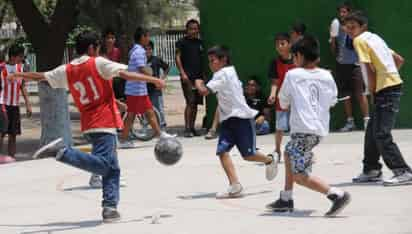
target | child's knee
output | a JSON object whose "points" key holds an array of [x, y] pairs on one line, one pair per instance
{"points": [[300, 178]]}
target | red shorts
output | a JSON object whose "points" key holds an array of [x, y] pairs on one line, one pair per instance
{"points": [[138, 104]]}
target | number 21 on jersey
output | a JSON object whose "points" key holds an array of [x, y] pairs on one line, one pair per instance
{"points": [[84, 96]]}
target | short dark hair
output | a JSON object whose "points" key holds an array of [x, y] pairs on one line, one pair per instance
{"points": [[107, 31], [282, 36], [308, 46], [16, 50], [346, 4], [192, 21], [221, 52], [357, 16], [85, 39], [299, 28], [139, 33], [151, 44]]}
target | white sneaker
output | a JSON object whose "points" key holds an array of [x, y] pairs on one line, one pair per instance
{"points": [[127, 145], [275, 154], [54, 149], [122, 182], [371, 176], [349, 126], [96, 181], [401, 179], [365, 122], [272, 168], [167, 135], [234, 191]]}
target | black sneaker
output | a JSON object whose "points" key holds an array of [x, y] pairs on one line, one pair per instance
{"points": [[53, 149], [281, 206], [110, 215], [188, 133], [338, 203], [195, 133]]}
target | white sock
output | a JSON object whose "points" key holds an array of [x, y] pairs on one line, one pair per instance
{"points": [[366, 118], [337, 191], [286, 195], [350, 119]]}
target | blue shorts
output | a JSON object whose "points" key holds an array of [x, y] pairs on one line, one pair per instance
{"points": [[237, 132], [282, 120]]}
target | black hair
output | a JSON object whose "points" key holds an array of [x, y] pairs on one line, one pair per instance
{"points": [[346, 4], [299, 28], [282, 36], [192, 21], [151, 44], [84, 40], [16, 50], [357, 16], [139, 33], [308, 46], [221, 52], [255, 78], [108, 31]]}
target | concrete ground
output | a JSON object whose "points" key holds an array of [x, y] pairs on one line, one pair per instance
{"points": [[44, 196]]}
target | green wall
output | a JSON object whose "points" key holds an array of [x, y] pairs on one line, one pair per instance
{"points": [[248, 28]]}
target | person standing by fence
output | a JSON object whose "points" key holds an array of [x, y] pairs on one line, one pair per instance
{"points": [[189, 62]]}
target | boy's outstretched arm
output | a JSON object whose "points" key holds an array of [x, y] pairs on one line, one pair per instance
{"points": [[160, 84], [35, 76], [26, 100]]}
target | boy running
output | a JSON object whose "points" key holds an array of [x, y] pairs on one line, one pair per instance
{"points": [[237, 120], [309, 92]]}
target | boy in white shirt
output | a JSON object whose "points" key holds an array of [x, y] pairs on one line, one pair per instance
{"points": [[237, 120], [308, 92]]}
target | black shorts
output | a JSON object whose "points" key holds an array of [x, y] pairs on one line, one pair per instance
{"points": [[191, 94], [4, 123], [14, 125], [349, 80]]}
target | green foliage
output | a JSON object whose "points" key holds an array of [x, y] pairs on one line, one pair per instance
{"points": [[76, 31]]}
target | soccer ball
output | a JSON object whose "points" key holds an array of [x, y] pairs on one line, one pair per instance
{"points": [[168, 151]]}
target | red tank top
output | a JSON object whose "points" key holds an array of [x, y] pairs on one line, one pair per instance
{"points": [[281, 69], [10, 90], [93, 96]]}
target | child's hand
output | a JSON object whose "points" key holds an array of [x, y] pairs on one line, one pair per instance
{"points": [[122, 106], [29, 111], [160, 84], [271, 99], [13, 76]]}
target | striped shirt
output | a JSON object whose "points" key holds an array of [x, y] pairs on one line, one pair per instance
{"points": [[10, 90], [137, 60]]}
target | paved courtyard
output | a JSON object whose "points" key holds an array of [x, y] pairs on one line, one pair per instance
{"points": [[44, 196]]}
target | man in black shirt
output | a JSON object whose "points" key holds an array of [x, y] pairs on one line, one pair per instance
{"points": [[189, 62]]}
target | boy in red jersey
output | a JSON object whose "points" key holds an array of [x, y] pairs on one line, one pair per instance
{"points": [[89, 81]]}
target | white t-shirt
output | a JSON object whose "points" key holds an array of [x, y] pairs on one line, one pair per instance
{"points": [[107, 69], [309, 94], [334, 28], [231, 101]]}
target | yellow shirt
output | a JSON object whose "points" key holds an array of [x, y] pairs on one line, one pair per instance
{"points": [[372, 49]]}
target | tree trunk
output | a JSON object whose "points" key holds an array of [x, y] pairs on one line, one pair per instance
{"points": [[48, 40]]}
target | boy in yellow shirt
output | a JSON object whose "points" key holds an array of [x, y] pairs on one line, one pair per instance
{"points": [[380, 67]]}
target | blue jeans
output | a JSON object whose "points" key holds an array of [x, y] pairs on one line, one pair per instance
{"points": [[263, 129], [378, 136], [102, 161], [157, 101]]}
